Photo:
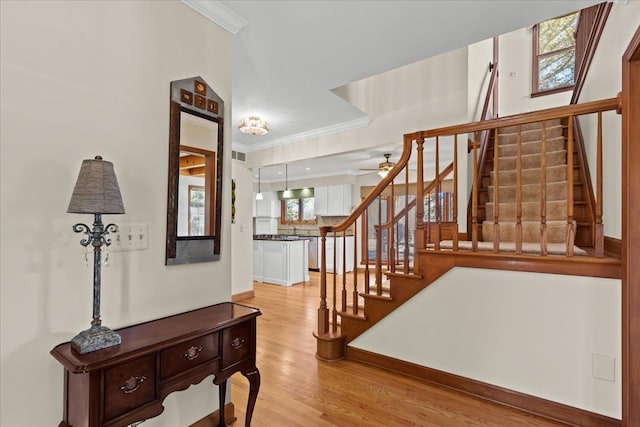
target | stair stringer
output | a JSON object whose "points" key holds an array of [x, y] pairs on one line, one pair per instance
{"points": [[402, 288]]}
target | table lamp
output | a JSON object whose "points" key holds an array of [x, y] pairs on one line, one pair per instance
{"points": [[96, 192]]}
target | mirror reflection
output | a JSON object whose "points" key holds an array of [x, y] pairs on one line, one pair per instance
{"points": [[196, 188]]}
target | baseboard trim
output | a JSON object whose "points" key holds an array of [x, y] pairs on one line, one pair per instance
{"points": [[612, 247], [242, 296], [531, 404], [211, 420]]}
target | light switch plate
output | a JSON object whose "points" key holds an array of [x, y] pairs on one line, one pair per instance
{"points": [[130, 237]]}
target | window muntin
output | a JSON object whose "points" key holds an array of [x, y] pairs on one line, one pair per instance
{"points": [[298, 211]]}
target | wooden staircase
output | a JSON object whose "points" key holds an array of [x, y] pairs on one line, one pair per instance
{"points": [[518, 236], [556, 134]]}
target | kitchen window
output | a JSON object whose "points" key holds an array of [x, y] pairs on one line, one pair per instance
{"points": [[298, 211], [554, 55], [298, 208]]}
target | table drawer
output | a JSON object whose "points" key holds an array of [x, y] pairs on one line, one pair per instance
{"points": [[128, 386], [236, 344], [186, 355]]}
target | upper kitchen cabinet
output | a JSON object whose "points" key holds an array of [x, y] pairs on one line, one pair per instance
{"points": [[268, 207], [333, 200]]}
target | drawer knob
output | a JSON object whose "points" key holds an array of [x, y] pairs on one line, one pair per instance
{"points": [[193, 352], [132, 384], [237, 343]]}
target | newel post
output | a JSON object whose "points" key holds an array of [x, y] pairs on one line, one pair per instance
{"points": [[323, 310]]}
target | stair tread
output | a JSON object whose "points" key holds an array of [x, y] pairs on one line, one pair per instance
{"points": [[351, 315], [548, 222], [376, 296], [531, 155]]}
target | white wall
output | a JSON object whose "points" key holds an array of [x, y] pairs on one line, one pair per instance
{"points": [[80, 79], [533, 333], [242, 230], [604, 80], [515, 68], [478, 75]]}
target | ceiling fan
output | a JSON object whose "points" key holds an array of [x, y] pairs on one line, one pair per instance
{"points": [[384, 167]]}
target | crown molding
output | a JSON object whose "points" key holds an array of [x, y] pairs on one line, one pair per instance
{"points": [[218, 13], [347, 172], [302, 136]]}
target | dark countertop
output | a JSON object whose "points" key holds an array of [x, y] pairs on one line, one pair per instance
{"points": [[282, 237]]}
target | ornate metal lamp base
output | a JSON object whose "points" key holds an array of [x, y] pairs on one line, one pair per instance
{"points": [[94, 338]]}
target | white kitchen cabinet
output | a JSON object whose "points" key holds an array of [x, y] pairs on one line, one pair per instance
{"points": [[320, 201], [333, 200], [269, 206], [265, 225], [281, 262], [341, 247]]}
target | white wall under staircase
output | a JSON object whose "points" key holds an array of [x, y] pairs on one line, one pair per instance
{"points": [[530, 332]]}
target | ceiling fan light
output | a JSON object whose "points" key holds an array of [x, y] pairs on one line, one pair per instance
{"points": [[253, 125], [386, 166]]}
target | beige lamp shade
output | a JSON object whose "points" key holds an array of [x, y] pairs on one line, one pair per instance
{"points": [[96, 189]]}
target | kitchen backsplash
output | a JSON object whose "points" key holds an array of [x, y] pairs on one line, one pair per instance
{"points": [[311, 230]]}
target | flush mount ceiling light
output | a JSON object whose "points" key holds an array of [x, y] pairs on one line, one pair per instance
{"points": [[386, 166], [253, 125]]}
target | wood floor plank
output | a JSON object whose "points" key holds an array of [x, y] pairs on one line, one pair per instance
{"points": [[299, 390]]}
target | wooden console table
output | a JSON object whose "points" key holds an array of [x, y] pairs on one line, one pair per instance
{"points": [[117, 386]]}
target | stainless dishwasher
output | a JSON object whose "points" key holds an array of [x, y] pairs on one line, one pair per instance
{"points": [[313, 254]]}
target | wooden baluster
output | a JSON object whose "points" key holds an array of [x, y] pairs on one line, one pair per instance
{"points": [[343, 293], [406, 223], [429, 228], [391, 257], [379, 248], [335, 286], [519, 191], [438, 203], [599, 235], [355, 269], [365, 245], [474, 201], [496, 193], [323, 310], [570, 231], [419, 234], [543, 191], [455, 192]]}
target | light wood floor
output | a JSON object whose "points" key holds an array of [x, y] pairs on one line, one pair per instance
{"points": [[299, 390]]}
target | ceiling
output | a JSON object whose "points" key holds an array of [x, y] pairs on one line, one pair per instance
{"points": [[289, 55]]}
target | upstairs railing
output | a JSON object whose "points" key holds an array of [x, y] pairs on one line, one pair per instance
{"points": [[411, 210]]}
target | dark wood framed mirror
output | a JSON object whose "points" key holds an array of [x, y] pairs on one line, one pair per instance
{"points": [[194, 201]]}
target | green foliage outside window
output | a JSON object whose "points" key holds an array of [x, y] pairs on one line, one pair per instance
{"points": [[299, 210], [555, 56]]}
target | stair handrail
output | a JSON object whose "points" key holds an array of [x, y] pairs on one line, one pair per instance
{"points": [[522, 118], [323, 309], [445, 172], [568, 111], [404, 211], [373, 194], [483, 139]]}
